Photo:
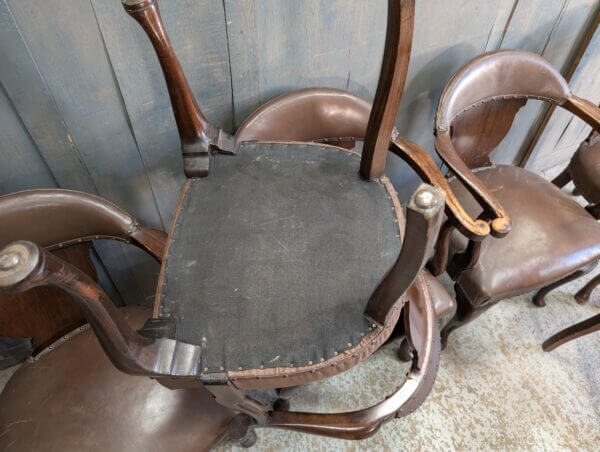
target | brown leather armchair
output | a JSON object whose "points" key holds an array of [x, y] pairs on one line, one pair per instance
{"points": [[552, 239]]}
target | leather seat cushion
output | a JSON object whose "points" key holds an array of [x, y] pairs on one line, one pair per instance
{"points": [[585, 171], [272, 258], [552, 236]]}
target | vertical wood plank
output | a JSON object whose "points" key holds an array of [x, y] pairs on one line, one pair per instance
{"points": [[21, 165], [564, 132], [551, 29], [197, 32], [65, 42], [277, 46], [27, 91]]}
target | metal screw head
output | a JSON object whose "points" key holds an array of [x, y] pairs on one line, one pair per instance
{"points": [[9, 260], [425, 199]]}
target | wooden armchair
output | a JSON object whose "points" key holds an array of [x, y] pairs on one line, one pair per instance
{"points": [[285, 262], [553, 239]]}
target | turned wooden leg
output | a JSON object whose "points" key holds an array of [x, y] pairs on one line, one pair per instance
{"points": [[573, 332], [583, 296], [241, 430], [405, 352], [465, 312], [562, 179], [540, 295]]}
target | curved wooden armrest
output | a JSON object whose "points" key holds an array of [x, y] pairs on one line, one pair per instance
{"points": [[583, 328], [500, 221], [24, 265], [584, 109], [407, 398], [424, 165]]}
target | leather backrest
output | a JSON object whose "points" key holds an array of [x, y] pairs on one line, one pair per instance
{"points": [[50, 217], [502, 74]]}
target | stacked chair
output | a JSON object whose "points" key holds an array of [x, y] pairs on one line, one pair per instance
{"points": [[289, 260]]}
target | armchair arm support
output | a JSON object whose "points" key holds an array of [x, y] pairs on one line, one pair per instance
{"points": [[422, 163], [500, 223], [423, 220], [24, 265]]}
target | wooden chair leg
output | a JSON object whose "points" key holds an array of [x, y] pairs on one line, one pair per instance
{"points": [[465, 312], [241, 430], [540, 295], [562, 179], [583, 296], [573, 332]]}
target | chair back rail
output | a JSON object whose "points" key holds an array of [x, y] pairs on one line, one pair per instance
{"points": [[56, 218]]}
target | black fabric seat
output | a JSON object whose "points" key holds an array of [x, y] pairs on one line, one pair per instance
{"points": [[274, 256]]}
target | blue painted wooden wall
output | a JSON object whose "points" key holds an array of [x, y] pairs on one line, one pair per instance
{"points": [[83, 104]]}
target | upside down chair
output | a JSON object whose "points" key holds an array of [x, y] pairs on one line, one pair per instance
{"points": [[552, 239], [288, 259]]}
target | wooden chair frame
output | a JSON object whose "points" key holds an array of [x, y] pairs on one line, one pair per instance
{"points": [[150, 352]]}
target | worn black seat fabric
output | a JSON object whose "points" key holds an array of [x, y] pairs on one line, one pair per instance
{"points": [[272, 258]]}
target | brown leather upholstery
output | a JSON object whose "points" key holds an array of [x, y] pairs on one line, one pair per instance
{"points": [[73, 398], [584, 169], [74, 215], [552, 236], [307, 115], [500, 74]]}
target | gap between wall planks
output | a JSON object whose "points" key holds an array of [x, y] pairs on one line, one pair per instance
{"points": [[85, 84], [65, 46], [573, 131]]}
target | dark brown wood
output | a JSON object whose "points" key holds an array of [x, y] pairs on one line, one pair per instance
{"points": [[197, 135], [539, 299], [477, 131], [583, 295], [563, 178], [594, 210], [396, 57], [364, 423], [584, 109], [573, 332], [153, 241], [423, 220], [45, 313], [439, 262]]}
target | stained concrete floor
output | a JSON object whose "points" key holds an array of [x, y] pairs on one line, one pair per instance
{"points": [[495, 390]]}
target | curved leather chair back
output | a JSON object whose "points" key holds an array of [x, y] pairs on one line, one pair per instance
{"points": [[54, 218], [481, 100], [502, 74]]}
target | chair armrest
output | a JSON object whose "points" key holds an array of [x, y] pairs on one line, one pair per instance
{"points": [[24, 265], [407, 398], [422, 163], [500, 221]]}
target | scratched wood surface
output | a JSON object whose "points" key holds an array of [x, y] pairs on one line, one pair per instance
{"points": [[83, 104]]}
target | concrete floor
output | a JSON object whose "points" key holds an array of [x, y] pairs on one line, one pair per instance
{"points": [[496, 388]]}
